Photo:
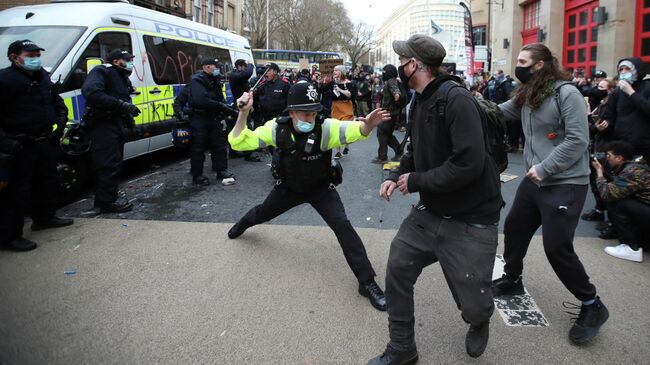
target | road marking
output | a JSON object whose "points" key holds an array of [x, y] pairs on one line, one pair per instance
{"points": [[517, 310]]}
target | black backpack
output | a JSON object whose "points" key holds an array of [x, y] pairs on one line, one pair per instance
{"points": [[493, 129]]}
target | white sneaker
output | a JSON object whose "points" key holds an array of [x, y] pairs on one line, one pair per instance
{"points": [[625, 252]]}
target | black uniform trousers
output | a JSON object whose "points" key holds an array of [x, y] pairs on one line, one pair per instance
{"points": [[328, 204], [32, 189], [107, 152], [466, 254], [386, 138], [207, 134], [557, 209], [630, 218]]}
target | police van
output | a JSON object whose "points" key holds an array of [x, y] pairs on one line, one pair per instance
{"points": [[77, 34]]}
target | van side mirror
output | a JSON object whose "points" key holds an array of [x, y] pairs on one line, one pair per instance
{"points": [[91, 63]]}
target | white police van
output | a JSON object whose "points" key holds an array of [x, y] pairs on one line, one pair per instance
{"points": [[76, 34]]}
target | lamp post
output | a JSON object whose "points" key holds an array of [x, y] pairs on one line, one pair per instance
{"points": [[267, 24]]}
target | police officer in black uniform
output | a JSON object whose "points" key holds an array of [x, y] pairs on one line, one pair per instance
{"points": [[109, 110], [271, 95], [208, 110], [305, 173], [29, 181]]}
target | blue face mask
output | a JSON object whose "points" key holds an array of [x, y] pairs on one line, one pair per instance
{"points": [[305, 127], [32, 63], [216, 72], [627, 76], [129, 66]]}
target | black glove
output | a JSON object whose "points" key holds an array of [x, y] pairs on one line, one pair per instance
{"points": [[227, 110], [128, 108]]}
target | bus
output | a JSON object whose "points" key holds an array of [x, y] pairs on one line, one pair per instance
{"points": [[77, 34], [289, 59]]}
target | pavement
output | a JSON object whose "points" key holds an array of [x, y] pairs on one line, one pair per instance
{"points": [[164, 284]]}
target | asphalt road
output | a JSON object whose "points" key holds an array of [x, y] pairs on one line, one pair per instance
{"points": [[161, 189], [163, 284]]}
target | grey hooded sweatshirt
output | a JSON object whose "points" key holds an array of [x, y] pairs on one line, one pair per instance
{"points": [[556, 138]]}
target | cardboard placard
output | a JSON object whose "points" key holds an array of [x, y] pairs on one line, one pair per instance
{"points": [[303, 63], [326, 67]]}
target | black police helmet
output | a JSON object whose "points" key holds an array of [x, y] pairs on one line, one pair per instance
{"points": [[303, 96]]}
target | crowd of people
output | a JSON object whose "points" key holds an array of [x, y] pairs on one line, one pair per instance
{"points": [[573, 132]]}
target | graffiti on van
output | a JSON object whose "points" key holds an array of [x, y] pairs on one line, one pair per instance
{"points": [[174, 71], [182, 32]]}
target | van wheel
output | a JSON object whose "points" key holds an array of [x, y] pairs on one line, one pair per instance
{"points": [[72, 174]]}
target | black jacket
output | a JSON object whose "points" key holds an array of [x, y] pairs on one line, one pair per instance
{"points": [[447, 160], [502, 90], [30, 104], [239, 80], [629, 116], [206, 94], [104, 88], [271, 97]]}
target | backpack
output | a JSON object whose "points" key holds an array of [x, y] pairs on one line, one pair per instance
{"points": [[494, 130]]}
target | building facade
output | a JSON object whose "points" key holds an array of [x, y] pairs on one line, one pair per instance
{"points": [[585, 35], [442, 19]]}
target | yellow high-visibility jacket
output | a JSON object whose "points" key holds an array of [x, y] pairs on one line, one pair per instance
{"points": [[336, 133]]}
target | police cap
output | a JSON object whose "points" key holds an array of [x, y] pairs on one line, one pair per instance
{"points": [[209, 61], [422, 47], [24, 45], [303, 96], [118, 54]]}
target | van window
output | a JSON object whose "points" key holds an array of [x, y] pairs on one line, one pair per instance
{"points": [[174, 62], [100, 46], [56, 40]]}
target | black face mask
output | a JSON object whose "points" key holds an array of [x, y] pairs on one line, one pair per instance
{"points": [[523, 73], [600, 94], [403, 77]]}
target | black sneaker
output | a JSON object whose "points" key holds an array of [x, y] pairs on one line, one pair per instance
{"points": [[337, 156], [373, 292], [588, 322], [346, 151], [477, 339], [394, 357], [237, 230], [200, 180], [224, 174], [593, 215], [54, 222], [21, 245], [506, 285], [608, 233]]}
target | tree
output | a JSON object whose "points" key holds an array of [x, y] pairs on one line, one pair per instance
{"points": [[358, 42], [256, 21]]}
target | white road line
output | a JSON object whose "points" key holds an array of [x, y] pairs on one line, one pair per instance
{"points": [[517, 310]]}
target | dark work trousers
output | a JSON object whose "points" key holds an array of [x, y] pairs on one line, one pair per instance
{"points": [[107, 152], [328, 204], [515, 133], [207, 134], [386, 138], [600, 204], [466, 254], [557, 209], [31, 190], [630, 217]]}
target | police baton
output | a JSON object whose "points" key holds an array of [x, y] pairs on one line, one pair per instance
{"points": [[252, 90]]}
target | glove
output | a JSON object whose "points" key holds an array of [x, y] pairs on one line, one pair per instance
{"points": [[128, 108]]}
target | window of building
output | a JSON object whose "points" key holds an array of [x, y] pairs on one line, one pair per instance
{"points": [[531, 22], [197, 11], [210, 13], [642, 32], [480, 35], [580, 36]]}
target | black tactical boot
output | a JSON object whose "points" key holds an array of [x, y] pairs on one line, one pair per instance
{"points": [[54, 222], [394, 357], [373, 292], [477, 339]]}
